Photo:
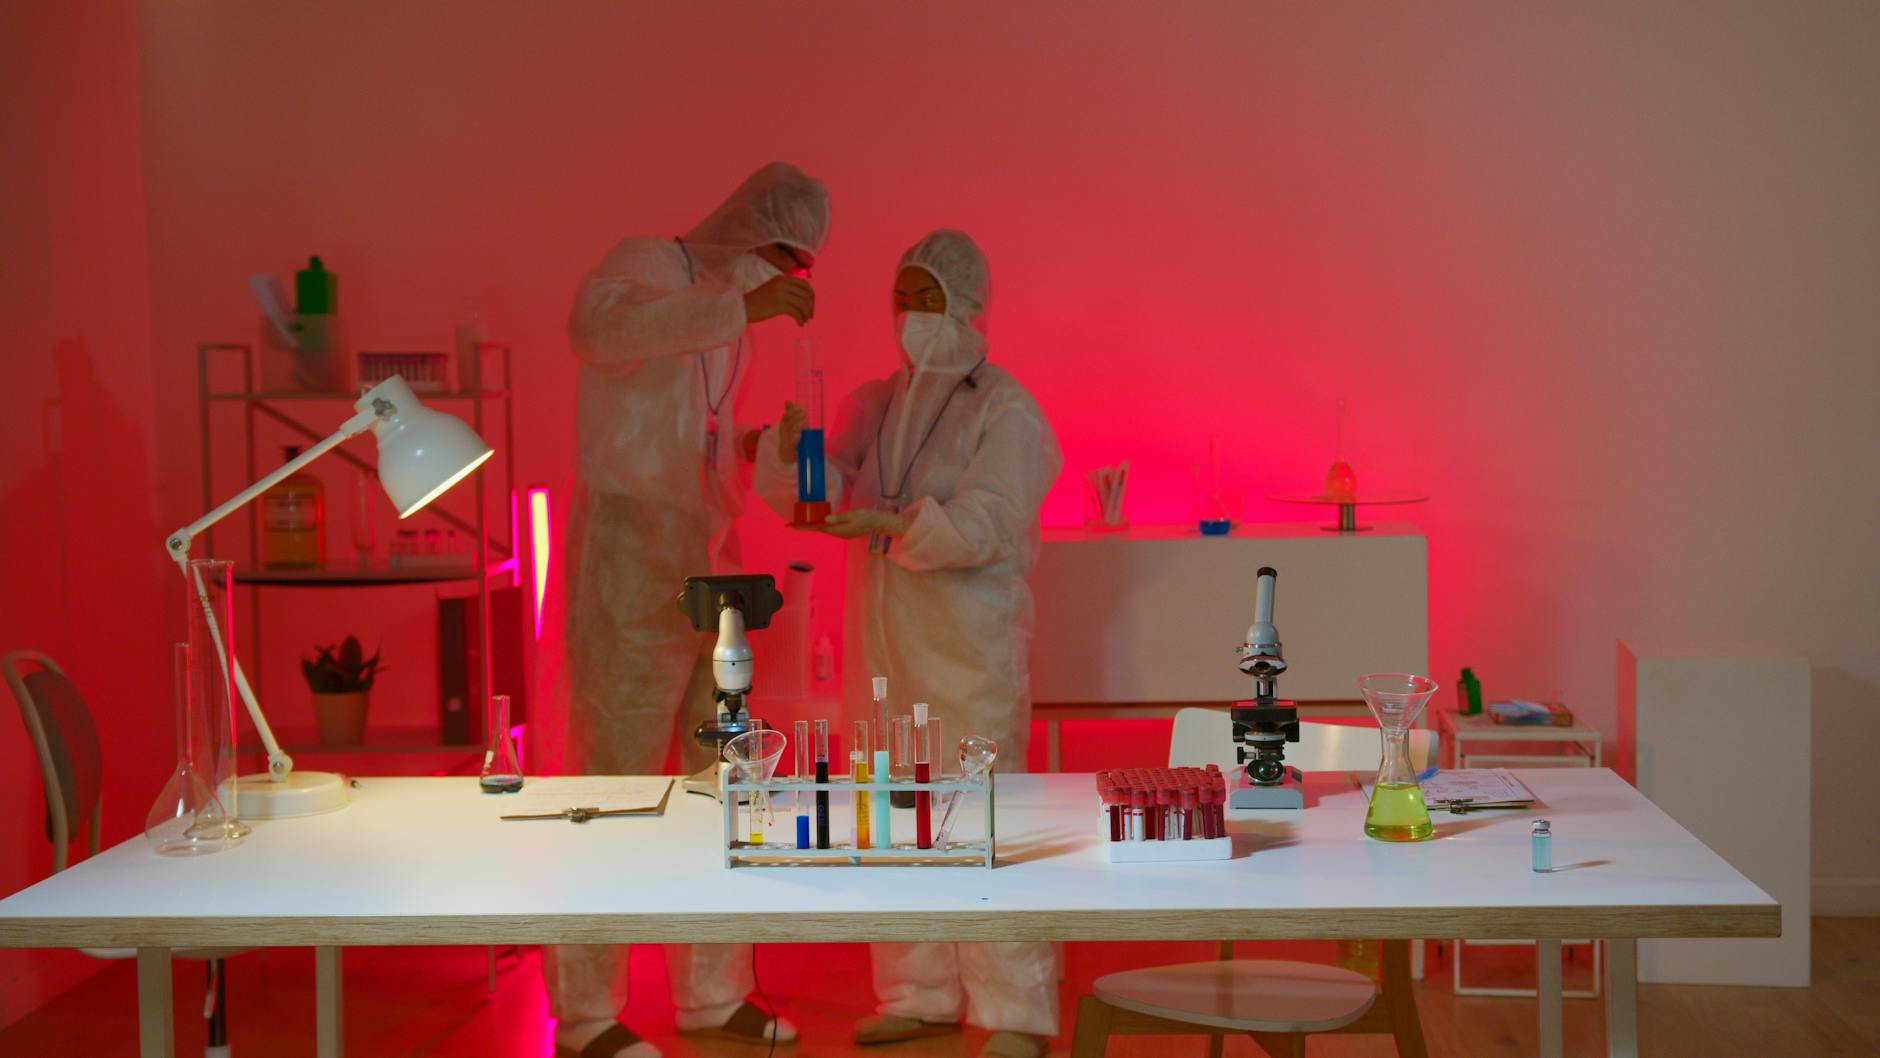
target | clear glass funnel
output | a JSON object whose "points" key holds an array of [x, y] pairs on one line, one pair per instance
{"points": [[753, 757], [976, 757], [1397, 811]]}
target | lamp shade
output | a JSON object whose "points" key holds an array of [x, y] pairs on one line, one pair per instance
{"points": [[422, 453]]}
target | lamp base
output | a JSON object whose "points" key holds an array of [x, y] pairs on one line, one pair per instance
{"points": [[304, 793]]}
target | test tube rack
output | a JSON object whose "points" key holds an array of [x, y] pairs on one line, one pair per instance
{"points": [[979, 852]]}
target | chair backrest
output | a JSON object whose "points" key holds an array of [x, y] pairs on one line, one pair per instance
{"points": [[1206, 736], [71, 767]]}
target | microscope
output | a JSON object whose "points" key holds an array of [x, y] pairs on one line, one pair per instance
{"points": [[1263, 726], [732, 604]]}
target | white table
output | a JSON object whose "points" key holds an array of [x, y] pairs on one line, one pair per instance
{"points": [[1143, 622], [425, 861]]}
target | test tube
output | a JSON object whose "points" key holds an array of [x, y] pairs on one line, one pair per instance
{"points": [[812, 500], [802, 774], [884, 837], [759, 799], [923, 772], [858, 772], [822, 783], [1138, 810], [1163, 801], [903, 770]]}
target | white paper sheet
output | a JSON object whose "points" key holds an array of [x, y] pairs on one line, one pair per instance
{"points": [[1481, 787], [558, 793]]}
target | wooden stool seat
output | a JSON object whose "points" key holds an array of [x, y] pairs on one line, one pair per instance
{"points": [[1244, 995]]}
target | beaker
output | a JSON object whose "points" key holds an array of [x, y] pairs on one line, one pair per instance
{"points": [[211, 695], [188, 799], [502, 765], [1397, 811], [812, 498]]}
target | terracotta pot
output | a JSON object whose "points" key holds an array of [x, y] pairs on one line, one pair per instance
{"points": [[342, 717]]}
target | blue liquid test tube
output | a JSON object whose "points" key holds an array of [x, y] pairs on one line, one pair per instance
{"points": [[802, 774]]}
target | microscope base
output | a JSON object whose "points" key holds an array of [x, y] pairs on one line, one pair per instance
{"points": [[704, 781], [1287, 793]]}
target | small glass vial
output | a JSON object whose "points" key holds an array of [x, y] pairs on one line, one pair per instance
{"points": [[1541, 835]]}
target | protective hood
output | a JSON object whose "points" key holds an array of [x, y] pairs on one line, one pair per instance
{"points": [[960, 342], [777, 203]]}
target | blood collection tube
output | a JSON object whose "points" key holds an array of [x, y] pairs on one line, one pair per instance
{"points": [[923, 772], [1189, 797], [1138, 810], [802, 774], [1162, 813], [822, 784], [858, 773], [1113, 807]]}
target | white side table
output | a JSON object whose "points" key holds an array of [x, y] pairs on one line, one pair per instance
{"points": [[1479, 742]]}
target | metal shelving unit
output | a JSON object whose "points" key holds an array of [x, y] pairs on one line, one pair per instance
{"points": [[271, 405]]}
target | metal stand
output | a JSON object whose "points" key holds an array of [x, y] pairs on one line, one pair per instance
{"points": [[1287, 793]]}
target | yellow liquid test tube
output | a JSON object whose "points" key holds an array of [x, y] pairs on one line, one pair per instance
{"points": [[858, 772]]}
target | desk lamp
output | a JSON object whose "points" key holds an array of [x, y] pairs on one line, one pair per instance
{"points": [[422, 453]]}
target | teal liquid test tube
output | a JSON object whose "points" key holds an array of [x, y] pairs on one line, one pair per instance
{"points": [[879, 829]]}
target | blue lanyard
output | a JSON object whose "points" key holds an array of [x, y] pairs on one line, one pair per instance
{"points": [[881, 458]]}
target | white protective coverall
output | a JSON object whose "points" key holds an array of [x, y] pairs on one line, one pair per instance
{"points": [[659, 327], [946, 614]]}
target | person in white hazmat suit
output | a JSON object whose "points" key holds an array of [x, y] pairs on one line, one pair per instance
{"points": [[937, 473], [660, 330]]}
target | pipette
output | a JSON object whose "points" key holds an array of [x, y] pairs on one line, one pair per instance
{"points": [[880, 831], [822, 784], [923, 772]]}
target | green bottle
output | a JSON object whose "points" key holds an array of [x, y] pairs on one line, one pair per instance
{"points": [[1469, 694], [316, 290]]}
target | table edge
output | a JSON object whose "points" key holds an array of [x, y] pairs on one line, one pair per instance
{"points": [[1238, 923]]}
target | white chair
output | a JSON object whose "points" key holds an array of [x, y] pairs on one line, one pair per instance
{"points": [[1276, 1003], [71, 770]]}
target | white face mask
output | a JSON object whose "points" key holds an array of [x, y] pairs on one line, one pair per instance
{"points": [[753, 271], [923, 334]]}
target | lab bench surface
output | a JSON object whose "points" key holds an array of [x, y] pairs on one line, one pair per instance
{"points": [[426, 861]]}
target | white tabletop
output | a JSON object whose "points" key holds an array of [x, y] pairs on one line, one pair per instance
{"points": [[425, 861]]}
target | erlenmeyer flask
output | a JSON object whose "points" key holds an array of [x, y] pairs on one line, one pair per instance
{"points": [[753, 757], [1397, 811], [502, 765], [211, 687], [174, 825]]}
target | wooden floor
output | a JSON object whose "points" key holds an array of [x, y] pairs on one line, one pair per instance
{"points": [[434, 1003]]}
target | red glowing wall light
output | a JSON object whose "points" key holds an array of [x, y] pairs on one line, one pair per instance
{"points": [[539, 544]]}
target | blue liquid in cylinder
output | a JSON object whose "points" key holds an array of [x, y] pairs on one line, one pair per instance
{"points": [[810, 487]]}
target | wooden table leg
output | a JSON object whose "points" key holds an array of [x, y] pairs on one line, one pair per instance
{"points": [[329, 1002], [1547, 995], [1622, 998], [156, 1012]]}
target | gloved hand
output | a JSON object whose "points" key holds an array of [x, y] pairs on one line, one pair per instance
{"points": [[865, 522], [789, 430], [781, 296]]}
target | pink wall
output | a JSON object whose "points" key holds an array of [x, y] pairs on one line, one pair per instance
{"points": [[85, 571], [1600, 280]]}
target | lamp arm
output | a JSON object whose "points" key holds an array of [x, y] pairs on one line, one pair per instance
{"points": [[280, 765], [178, 542]]}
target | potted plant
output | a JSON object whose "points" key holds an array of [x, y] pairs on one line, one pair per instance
{"points": [[341, 680]]}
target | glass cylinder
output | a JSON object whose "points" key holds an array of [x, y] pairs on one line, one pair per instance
{"points": [[211, 691], [186, 818], [812, 497], [1397, 811]]}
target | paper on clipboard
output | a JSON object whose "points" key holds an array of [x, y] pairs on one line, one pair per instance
{"points": [[1468, 788], [550, 794]]}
